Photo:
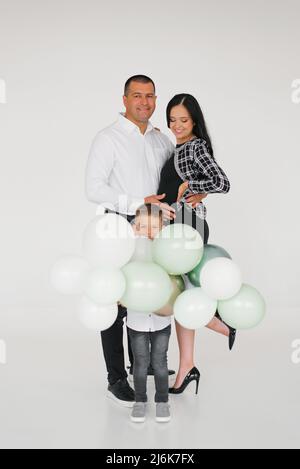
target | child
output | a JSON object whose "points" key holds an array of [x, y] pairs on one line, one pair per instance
{"points": [[149, 335]]}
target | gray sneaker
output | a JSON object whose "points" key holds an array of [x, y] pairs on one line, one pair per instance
{"points": [[138, 413], [163, 412]]}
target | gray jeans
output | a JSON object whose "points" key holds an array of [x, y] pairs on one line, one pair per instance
{"points": [[146, 347]]}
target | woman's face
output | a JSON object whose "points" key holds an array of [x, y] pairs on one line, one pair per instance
{"points": [[181, 123]]}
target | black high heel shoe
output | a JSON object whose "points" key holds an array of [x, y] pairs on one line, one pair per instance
{"points": [[232, 331], [193, 375]]}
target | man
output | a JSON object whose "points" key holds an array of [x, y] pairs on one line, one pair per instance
{"points": [[123, 173]]}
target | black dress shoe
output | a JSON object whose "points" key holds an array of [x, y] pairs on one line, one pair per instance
{"points": [[232, 331], [121, 392], [193, 375], [231, 338]]}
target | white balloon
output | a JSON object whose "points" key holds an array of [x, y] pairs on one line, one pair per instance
{"points": [[194, 309], [143, 249], [67, 274], [97, 317], [221, 278], [108, 240], [104, 285]]}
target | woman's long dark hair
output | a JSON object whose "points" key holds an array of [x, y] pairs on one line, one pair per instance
{"points": [[193, 107]]}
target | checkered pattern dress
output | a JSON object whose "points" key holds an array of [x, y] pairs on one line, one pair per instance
{"points": [[194, 163]]}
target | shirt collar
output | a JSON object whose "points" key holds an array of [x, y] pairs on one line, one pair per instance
{"points": [[129, 126]]}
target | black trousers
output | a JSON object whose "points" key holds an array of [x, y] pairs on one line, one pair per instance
{"points": [[112, 338], [113, 350]]}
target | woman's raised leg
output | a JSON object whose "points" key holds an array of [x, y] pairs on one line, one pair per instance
{"points": [[218, 326]]}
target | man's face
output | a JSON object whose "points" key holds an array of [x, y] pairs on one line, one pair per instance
{"points": [[139, 102]]}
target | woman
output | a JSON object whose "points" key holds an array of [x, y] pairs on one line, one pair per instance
{"points": [[186, 178]]}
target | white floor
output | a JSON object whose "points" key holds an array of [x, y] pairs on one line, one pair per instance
{"points": [[53, 389]]}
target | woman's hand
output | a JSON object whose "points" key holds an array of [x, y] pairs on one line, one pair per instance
{"points": [[181, 190], [195, 199]]}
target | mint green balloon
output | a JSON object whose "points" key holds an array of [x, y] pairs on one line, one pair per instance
{"points": [[178, 286], [177, 248], [244, 310], [210, 252], [148, 286]]}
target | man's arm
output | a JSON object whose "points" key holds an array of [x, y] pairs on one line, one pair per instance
{"points": [[100, 164]]}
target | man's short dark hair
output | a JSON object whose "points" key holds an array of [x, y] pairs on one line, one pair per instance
{"points": [[139, 79]]}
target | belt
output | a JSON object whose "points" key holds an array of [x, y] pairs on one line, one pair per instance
{"points": [[124, 215]]}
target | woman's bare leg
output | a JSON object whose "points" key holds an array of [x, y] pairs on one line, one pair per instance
{"points": [[186, 340], [218, 326], [186, 343]]}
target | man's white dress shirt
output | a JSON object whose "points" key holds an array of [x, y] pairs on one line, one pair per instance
{"points": [[124, 165]]}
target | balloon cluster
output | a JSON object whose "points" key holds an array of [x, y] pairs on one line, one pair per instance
{"points": [[148, 276]]}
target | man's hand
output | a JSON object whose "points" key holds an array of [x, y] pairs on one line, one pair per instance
{"points": [[168, 211], [154, 199]]}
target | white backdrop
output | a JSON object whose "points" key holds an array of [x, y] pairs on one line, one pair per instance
{"points": [[65, 64]]}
